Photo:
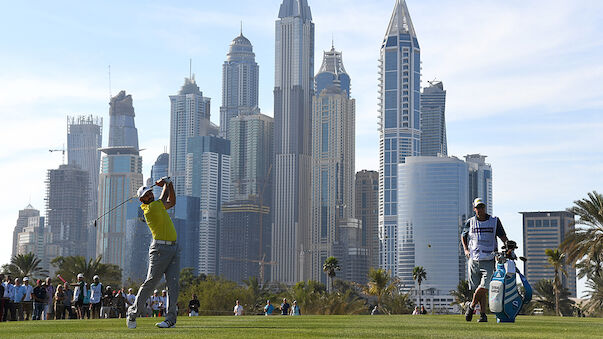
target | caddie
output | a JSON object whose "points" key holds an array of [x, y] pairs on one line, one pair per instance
{"points": [[479, 242], [164, 253]]}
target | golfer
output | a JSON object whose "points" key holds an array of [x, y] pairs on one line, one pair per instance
{"points": [[479, 242], [164, 253]]}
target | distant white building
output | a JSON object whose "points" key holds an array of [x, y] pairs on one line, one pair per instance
{"points": [[432, 209]]}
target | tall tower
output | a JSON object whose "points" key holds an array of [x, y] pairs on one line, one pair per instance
{"points": [[433, 121], [67, 221], [190, 114], [333, 145], [28, 217], [120, 177], [240, 83], [159, 170], [367, 211], [84, 140], [293, 91], [399, 126], [480, 181]]}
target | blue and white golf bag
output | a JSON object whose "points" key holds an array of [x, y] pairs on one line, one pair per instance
{"points": [[505, 300]]}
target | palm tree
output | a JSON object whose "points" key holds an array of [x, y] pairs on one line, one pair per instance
{"points": [[462, 294], [545, 297], [330, 266], [418, 275], [22, 265], [557, 260], [380, 284], [595, 294], [69, 267], [586, 240]]}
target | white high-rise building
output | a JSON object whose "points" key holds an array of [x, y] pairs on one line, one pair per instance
{"points": [[480, 181], [189, 117], [432, 210], [399, 126], [28, 235], [293, 91], [433, 120]]}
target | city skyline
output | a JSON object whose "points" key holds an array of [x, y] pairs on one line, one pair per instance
{"points": [[519, 183]]}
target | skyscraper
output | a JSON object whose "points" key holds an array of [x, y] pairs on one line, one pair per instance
{"points": [[158, 171], [28, 234], [208, 178], [240, 83], [399, 126], [189, 117], [432, 210], [480, 181], [67, 221], [84, 140], [333, 146], [367, 211], [542, 230], [433, 122], [293, 91], [120, 177], [138, 237]]}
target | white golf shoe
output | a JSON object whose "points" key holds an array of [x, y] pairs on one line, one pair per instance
{"points": [[165, 324], [130, 323]]}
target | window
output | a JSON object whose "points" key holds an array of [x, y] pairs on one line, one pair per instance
{"points": [[391, 80], [390, 99], [391, 60], [391, 120], [325, 138]]}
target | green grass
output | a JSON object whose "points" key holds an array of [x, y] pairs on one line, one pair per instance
{"points": [[405, 326]]}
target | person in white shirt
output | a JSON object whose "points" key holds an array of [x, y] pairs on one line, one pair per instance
{"points": [[9, 290], [130, 298], [155, 300], [96, 293], [162, 302], [238, 309]]}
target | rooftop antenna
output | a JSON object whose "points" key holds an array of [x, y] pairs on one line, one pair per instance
{"points": [[190, 68], [110, 95], [241, 27], [332, 41]]}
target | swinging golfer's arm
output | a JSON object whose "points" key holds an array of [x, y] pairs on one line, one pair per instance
{"points": [[168, 196]]}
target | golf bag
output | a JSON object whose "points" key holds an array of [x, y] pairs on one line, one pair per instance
{"points": [[505, 300]]}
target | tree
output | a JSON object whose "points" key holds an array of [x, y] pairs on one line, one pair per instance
{"points": [[70, 267], [329, 267], [462, 295], [380, 285], [24, 265], [556, 259], [545, 297], [399, 303], [310, 296], [594, 304], [418, 275], [587, 239]]}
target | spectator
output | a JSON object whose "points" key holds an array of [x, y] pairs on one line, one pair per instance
{"points": [[416, 311], [49, 304], [2, 300], [423, 311], [238, 309], [193, 306], [120, 304], [18, 296], [106, 303], [285, 307], [162, 303], [295, 308], [9, 306], [268, 309], [27, 301], [130, 298], [67, 301], [375, 311], [39, 300], [86, 306], [59, 303], [96, 293], [78, 295], [155, 300]]}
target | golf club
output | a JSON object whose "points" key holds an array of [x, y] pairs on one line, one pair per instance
{"points": [[122, 203]]}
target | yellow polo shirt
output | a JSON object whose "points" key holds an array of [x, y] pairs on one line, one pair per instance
{"points": [[159, 221]]}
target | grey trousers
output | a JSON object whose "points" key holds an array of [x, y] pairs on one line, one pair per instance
{"points": [[163, 259]]}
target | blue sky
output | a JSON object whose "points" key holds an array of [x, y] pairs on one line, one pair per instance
{"points": [[523, 80]]}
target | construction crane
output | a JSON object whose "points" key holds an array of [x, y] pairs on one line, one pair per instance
{"points": [[262, 263], [62, 150]]}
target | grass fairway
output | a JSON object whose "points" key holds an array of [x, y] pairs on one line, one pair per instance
{"points": [[404, 326]]}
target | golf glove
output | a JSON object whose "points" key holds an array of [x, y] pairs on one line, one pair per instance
{"points": [[167, 180]]}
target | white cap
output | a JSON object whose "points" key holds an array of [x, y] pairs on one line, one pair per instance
{"points": [[95, 277], [162, 291], [80, 275], [155, 291], [26, 279], [478, 201], [142, 191]]}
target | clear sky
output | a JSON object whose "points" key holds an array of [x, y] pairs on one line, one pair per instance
{"points": [[523, 81]]}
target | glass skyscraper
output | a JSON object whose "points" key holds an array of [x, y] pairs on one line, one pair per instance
{"points": [[240, 79], [159, 170], [293, 91], [399, 126], [432, 210], [120, 177], [433, 121], [480, 181]]}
